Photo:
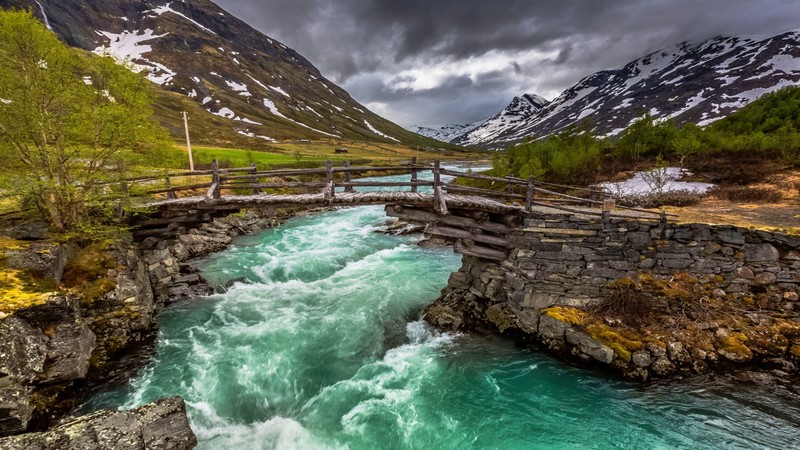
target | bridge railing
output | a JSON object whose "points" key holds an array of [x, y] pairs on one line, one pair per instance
{"points": [[530, 192]]}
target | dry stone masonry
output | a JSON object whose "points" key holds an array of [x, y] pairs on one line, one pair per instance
{"points": [[561, 266]]}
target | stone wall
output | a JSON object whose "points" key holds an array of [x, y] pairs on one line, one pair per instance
{"points": [[561, 262]]}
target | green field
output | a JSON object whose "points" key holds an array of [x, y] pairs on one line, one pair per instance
{"points": [[304, 153]]}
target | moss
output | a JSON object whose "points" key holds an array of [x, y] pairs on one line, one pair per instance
{"points": [[734, 344], [795, 350], [86, 274], [567, 314], [16, 293], [6, 243], [623, 342]]}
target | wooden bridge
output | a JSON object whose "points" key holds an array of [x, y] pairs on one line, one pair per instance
{"points": [[477, 220]]}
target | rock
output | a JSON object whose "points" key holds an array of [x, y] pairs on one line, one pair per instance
{"points": [[718, 293], [28, 231], [791, 296], [656, 350], [765, 278], [43, 259], [433, 242], [761, 252], [157, 426], [641, 358], [662, 366], [745, 272], [23, 350], [676, 352], [16, 408], [589, 346], [446, 313], [712, 248], [552, 328]]}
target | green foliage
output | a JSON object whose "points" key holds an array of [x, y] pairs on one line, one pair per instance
{"points": [[573, 154], [71, 125], [769, 127]]}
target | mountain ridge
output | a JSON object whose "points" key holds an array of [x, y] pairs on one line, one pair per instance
{"points": [[258, 89], [689, 82]]}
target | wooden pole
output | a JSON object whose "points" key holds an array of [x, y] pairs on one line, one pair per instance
{"points": [[170, 193], [254, 180], [439, 204], [330, 189], [348, 178], [608, 205], [188, 142], [414, 171], [215, 181], [531, 192]]}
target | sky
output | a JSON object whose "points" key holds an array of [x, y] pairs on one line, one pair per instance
{"points": [[432, 62]]}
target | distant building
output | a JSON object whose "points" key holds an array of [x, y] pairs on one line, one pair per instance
{"points": [[340, 150], [304, 141]]}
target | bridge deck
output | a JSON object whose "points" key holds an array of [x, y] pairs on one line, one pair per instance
{"points": [[235, 202]]}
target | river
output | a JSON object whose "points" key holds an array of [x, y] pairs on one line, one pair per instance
{"points": [[318, 343]]}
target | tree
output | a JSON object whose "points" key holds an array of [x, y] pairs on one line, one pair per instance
{"points": [[70, 123]]}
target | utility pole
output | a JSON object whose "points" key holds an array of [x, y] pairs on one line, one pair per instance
{"points": [[188, 143]]}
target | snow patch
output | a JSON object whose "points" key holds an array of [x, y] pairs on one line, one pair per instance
{"points": [[167, 8], [128, 48], [374, 130], [280, 91], [239, 88], [653, 181]]}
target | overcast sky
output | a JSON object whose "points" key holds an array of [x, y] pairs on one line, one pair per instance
{"points": [[431, 62]]}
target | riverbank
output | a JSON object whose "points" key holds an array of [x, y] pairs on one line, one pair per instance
{"points": [[74, 320]]}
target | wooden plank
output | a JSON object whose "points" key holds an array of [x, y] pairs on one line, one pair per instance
{"points": [[274, 185], [417, 215], [464, 234], [560, 231], [479, 251], [385, 183], [487, 192]]}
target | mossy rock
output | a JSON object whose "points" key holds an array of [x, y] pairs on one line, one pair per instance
{"points": [[566, 314]]}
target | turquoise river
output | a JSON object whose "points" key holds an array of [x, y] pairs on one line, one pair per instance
{"points": [[318, 343]]}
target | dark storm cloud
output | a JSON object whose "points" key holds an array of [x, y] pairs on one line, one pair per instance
{"points": [[372, 47]]}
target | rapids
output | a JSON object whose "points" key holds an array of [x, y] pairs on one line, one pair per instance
{"points": [[318, 343]]}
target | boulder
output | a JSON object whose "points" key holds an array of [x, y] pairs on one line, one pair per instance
{"points": [[761, 252], [157, 426]]}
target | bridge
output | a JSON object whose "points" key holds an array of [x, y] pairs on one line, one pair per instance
{"points": [[477, 220]]}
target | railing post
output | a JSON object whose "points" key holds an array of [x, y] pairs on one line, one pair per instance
{"points": [[439, 204], [330, 189], [171, 194], [530, 194], [215, 179], [413, 173], [347, 177], [254, 180], [608, 205]]}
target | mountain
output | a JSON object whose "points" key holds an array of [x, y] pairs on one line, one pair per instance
{"points": [[689, 83], [516, 113], [444, 133], [236, 83]]}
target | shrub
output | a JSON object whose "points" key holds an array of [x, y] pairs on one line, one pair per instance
{"points": [[659, 199], [746, 194]]}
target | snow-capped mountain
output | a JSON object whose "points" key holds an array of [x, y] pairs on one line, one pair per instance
{"points": [[257, 87], [516, 113], [444, 133], [689, 83]]}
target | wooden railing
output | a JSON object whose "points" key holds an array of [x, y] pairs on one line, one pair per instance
{"points": [[529, 193]]}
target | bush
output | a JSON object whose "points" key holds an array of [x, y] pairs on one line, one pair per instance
{"points": [[746, 194], [659, 199]]}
